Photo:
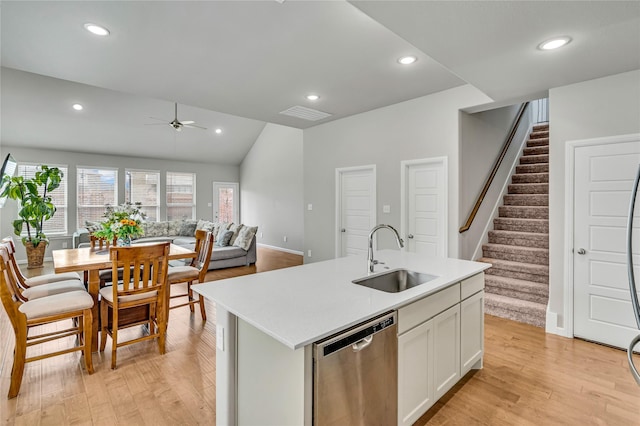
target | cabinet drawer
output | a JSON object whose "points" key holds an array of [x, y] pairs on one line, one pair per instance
{"points": [[471, 285], [428, 307]]}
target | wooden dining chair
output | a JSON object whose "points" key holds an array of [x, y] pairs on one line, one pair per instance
{"points": [[43, 289], [145, 290], [26, 315], [197, 270], [40, 279]]}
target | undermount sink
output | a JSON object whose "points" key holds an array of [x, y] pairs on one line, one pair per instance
{"points": [[395, 281]]}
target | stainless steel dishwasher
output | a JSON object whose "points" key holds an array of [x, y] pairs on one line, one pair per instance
{"points": [[355, 375]]}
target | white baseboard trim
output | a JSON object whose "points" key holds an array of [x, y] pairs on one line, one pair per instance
{"points": [[286, 250], [551, 325]]}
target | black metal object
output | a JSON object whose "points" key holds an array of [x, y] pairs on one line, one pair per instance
{"points": [[632, 282]]}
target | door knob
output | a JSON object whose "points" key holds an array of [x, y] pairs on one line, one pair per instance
{"points": [[343, 230], [582, 251], [410, 236]]}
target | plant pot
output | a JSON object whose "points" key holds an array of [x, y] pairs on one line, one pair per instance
{"points": [[35, 255]]}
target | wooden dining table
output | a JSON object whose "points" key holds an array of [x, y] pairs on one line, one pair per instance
{"points": [[95, 259]]}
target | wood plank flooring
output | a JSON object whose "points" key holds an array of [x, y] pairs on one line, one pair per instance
{"points": [[529, 378]]}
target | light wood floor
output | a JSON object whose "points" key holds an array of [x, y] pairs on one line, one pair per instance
{"points": [[529, 378]]}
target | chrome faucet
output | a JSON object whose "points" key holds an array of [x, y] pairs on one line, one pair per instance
{"points": [[370, 261]]}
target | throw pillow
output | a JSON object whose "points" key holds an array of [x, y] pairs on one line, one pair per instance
{"points": [[245, 236], [155, 229], [204, 224], [224, 227], [173, 227], [224, 240], [92, 226], [188, 228], [236, 229]]}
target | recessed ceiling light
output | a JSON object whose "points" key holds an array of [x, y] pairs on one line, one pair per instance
{"points": [[554, 43], [77, 107], [96, 29], [407, 60], [313, 97], [218, 131]]}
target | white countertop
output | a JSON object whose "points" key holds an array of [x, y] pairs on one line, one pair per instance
{"points": [[303, 304]]}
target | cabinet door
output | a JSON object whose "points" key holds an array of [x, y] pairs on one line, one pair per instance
{"points": [[446, 350], [415, 373], [472, 332]]}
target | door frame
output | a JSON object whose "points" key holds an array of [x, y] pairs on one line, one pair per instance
{"points": [[404, 169], [338, 194], [569, 212], [236, 200]]}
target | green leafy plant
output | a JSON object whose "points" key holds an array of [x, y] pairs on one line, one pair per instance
{"points": [[35, 207]]}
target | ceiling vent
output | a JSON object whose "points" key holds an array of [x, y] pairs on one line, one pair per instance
{"points": [[305, 113]]}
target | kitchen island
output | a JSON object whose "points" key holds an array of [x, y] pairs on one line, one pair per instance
{"points": [[266, 324]]}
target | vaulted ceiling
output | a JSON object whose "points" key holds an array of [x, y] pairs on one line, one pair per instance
{"points": [[236, 65]]}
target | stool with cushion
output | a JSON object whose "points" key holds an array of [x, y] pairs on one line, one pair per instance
{"points": [[197, 270], [146, 289], [24, 316]]}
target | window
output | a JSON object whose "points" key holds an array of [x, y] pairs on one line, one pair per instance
{"points": [[143, 186], [57, 225], [96, 188], [181, 195]]}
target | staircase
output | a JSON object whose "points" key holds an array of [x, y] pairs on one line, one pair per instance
{"points": [[517, 285]]}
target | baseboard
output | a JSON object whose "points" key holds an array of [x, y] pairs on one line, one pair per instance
{"points": [[551, 325], [286, 250]]}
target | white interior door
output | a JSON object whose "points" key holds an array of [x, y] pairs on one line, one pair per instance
{"points": [[424, 206], [355, 209], [226, 202], [603, 179]]}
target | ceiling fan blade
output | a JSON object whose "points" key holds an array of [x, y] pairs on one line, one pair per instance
{"points": [[194, 126], [188, 122]]}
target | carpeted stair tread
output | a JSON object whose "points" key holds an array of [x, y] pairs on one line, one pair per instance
{"points": [[528, 188], [519, 289], [541, 126], [516, 310], [521, 225], [526, 199], [534, 159], [537, 142], [537, 134], [536, 150], [531, 239], [525, 212], [532, 168], [518, 270], [530, 178], [524, 254]]}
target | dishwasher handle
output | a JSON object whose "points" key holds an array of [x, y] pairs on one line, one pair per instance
{"points": [[358, 346], [356, 338]]}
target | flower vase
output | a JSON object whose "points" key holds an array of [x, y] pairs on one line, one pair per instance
{"points": [[124, 241]]}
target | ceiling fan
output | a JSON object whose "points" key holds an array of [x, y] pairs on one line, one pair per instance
{"points": [[175, 123]]}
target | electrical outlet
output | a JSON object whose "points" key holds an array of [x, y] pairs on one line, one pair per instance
{"points": [[308, 253], [261, 235], [285, 238], [309, 206]]}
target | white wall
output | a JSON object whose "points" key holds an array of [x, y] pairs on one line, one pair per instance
{"points": [[482, 137], [206, 174], [597, 108], [272, 187], [420, 128]]}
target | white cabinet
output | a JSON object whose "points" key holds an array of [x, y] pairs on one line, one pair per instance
{"points": [[446, 354], [440, 338], [415, 374], [471, 332]]}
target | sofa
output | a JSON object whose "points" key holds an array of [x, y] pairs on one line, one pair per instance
{"points": [[235, 243]]}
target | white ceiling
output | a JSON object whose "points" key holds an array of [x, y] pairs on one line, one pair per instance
{"points": [[237, 64]]}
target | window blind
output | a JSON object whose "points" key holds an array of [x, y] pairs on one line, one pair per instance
{"points": [[57, 225], [181, 195], [143, 186], [97, 187]]}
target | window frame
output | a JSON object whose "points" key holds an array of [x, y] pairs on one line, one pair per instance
{"points": [[193, 204], [128, 192]]}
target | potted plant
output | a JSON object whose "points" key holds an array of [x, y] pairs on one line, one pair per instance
{"points": [[35, 208]]}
